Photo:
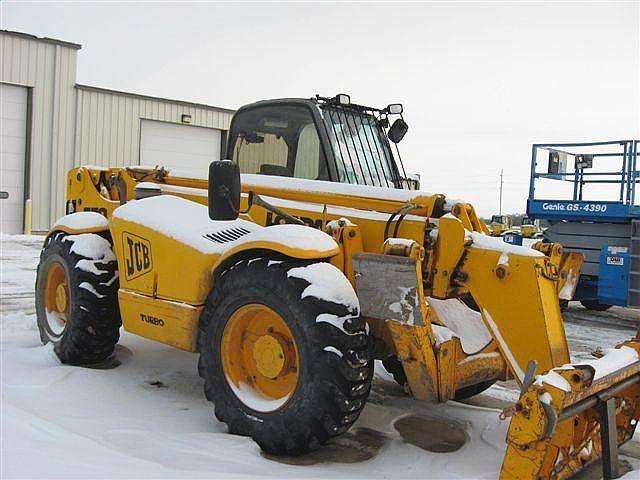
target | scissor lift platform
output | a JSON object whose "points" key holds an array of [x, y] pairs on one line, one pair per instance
{"points": [[605, 229]]}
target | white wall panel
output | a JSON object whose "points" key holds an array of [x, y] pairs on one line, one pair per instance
{"points": [[13, 136], [48, 68]]}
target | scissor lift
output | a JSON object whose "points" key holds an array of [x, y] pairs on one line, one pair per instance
{"points": [[605, 230]]}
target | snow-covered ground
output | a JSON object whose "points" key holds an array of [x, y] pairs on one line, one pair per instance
{"points": [[147, 418]]}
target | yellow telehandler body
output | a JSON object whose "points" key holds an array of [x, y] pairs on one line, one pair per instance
{"points": [[454, 308]]}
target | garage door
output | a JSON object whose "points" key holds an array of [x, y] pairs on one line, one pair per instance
{"points": [[13, 140], [185, 149]]}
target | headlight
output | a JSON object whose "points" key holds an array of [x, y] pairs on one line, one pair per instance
{"points": [[395, 108], [343, 99]]}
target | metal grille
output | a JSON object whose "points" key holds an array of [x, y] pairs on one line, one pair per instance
{"points": [[225, 236], [361, 154]]}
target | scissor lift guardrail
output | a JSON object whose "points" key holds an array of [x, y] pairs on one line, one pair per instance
{"points": [[590, 226]]}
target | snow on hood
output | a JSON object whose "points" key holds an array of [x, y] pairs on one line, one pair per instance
{"points": [[81, 220], [188, 222]]}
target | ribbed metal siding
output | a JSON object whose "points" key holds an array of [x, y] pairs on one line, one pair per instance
{"points": [[108, 126], [51, 70]]}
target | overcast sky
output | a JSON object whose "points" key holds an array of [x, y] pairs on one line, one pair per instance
{"points": [[480, 81]]}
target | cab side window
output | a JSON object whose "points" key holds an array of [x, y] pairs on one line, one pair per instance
{"points": [[278, 140], [256, 152], [307, 163]]}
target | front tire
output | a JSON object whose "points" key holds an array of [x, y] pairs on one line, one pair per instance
{"points": [[77, 297], [282, 365]]}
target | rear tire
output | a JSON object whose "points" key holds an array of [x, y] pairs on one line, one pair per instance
{"points": [[595, 305], [332, 365], [77, 298]]}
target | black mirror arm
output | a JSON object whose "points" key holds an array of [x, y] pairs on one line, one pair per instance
{"points": [[225, 193], [255, 199], [249, 203]]}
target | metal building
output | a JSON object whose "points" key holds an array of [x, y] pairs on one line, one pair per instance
{"points": [[49, 124]]}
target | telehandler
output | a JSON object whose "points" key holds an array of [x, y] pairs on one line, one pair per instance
{"points": [[301, 260]]}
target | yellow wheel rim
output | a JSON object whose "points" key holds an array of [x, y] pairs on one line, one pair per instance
{"points": [[56, 298], [260, 357]]}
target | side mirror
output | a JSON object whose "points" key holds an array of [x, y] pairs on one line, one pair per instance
{"points": [[398, 130], [224, 190]]}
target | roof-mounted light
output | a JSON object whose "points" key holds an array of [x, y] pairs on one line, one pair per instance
{"points": [[394, 109], [343, 99]]}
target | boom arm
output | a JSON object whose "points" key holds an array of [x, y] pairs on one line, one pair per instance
{"points": [[515, 289], [569, 414]]}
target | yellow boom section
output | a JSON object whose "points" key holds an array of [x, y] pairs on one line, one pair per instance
{"points": [[568, 415]]}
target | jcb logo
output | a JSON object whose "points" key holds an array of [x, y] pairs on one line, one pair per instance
{"points": [[137, 255]]}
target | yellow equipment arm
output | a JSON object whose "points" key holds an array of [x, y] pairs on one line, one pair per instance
{"points": [[568, 415]]}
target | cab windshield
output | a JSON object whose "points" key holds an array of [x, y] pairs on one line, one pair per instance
{"points": [[361, 153]]}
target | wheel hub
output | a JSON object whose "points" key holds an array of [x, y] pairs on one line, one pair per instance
{"points": [[259, 353], [61, 297], [268, 354], [56, 298]]}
